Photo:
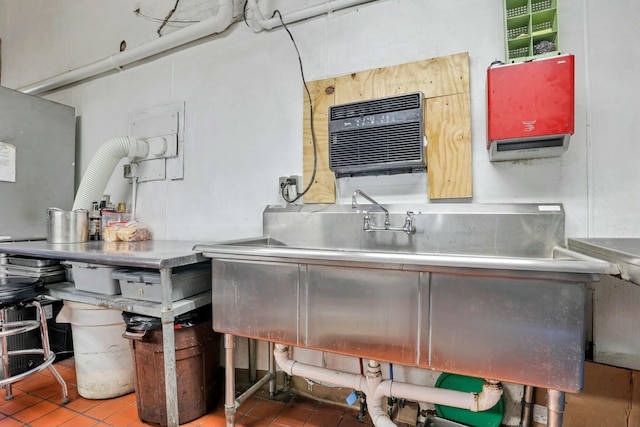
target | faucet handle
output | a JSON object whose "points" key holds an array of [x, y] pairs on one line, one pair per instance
{"points": [[408, 226]]}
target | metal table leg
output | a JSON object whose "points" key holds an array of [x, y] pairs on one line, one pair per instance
{"points": [[229, 382], [526, 416], [272, 371], [169, 348], [555, 408]]}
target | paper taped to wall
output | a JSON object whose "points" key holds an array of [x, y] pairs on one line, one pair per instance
{"points": [[7, 162]]}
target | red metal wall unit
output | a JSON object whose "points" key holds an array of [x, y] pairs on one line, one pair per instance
{"points": [[530, 108]]}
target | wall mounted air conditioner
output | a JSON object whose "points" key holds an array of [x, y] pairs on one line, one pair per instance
{"points": [[378, 136], [530, 111]]}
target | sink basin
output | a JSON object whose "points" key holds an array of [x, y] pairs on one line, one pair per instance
{"points": [[528, 239], [481, 290]]}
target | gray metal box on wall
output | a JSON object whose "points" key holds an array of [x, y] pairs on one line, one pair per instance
{"points": [[37, 161]]}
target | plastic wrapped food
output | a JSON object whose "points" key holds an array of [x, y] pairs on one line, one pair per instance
{"points": [[132, 231]]}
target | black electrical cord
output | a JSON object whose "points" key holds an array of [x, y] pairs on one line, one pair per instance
{"points": [[313, 133], [244, 13], [166, 19]]}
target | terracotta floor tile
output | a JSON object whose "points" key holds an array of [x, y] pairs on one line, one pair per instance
{"points": [[124, 417], [246, 405], [323, 419], [266, 410], [14, 390], [17, 404], [138, 423], [79, 421], [49, 391], [105, 409], [215, 419], [55, 418], [305, 402], [350, 420], [293, 416], [35, 411], [128, 398], [80, 404], [327, 408], [33, 382], [249, 421], [9, 422]]}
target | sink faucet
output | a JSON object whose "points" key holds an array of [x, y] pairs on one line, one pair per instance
{"points": [[408, 223], [354, 205]]}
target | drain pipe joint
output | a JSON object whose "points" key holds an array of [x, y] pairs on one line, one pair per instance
{"points": [[489, 396]]}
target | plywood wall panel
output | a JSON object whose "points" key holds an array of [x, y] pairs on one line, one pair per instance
{"points": [[448, 131], [449, 152], [441, 76], [323, 189]]}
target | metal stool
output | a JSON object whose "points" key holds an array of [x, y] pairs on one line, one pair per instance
{"points": [[19, 292]]}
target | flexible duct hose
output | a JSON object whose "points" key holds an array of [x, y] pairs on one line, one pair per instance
{"points": [[95, 178]]}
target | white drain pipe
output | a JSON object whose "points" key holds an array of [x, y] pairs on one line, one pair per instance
{"points": [[376, 389], [213, 25]]}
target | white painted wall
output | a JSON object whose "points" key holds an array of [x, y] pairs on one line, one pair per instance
{"points": [[243, 102], [243, 97]]}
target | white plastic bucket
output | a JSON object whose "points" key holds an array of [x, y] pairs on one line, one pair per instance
{"points": [[104, 364]]}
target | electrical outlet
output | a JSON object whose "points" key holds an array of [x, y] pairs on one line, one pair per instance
{"points": [[291, 186]]}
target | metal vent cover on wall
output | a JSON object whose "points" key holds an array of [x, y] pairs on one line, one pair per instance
{"points": [[383, 135]]}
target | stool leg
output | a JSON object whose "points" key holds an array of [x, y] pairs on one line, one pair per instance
{"points": [[5, 356], [44, 332]]}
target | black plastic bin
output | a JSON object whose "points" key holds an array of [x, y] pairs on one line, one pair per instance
{"points": [[198, 370]]}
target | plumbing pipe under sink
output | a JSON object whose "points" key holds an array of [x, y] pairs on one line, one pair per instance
{"points": [[376, 389]]}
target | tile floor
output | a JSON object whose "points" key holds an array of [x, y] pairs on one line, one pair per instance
{"points": [[36, 403]]}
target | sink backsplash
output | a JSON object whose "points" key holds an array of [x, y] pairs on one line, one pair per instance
{"points": [[511, 230]]}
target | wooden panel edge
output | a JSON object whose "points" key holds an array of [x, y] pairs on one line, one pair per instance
{"points": [[323, 189], [448, 131]]}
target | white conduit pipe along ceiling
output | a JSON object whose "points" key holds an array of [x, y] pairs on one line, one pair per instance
{"points": [[214, 25], [376, 389]]}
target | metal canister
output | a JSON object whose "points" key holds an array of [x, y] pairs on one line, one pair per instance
{"points": [[67, 227]]}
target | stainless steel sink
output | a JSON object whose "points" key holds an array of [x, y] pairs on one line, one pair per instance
{"points": [[524, 238], [482, 290]]}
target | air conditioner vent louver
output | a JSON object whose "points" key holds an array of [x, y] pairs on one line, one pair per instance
{"points": [[377, 136], [376, 106]]}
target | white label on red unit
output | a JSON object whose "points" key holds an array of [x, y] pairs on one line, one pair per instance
{"points": [[529, 125]]}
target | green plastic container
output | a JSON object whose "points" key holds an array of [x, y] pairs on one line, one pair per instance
{"points": [[531, 29]]}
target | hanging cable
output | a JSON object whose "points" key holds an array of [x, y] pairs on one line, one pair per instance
{"points": [[139, 13], [313, 133], [166, 19]]}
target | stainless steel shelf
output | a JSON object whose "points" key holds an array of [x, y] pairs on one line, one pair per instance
{"points": [[68, 291]]}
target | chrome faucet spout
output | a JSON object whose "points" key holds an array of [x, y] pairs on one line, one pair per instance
{"points": [[408, 226], [354, 203]]}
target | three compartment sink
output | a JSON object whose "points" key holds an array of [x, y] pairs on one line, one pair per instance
{"points": [[481, 290]]}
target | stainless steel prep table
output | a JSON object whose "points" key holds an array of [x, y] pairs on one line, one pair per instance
{"points": [[163, 255], [623, 252]]}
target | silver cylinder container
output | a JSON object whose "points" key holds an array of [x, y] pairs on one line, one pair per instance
{"points": [[67, 227]]}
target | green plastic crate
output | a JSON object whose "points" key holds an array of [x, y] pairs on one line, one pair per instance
{"points": [[531, 29]]}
